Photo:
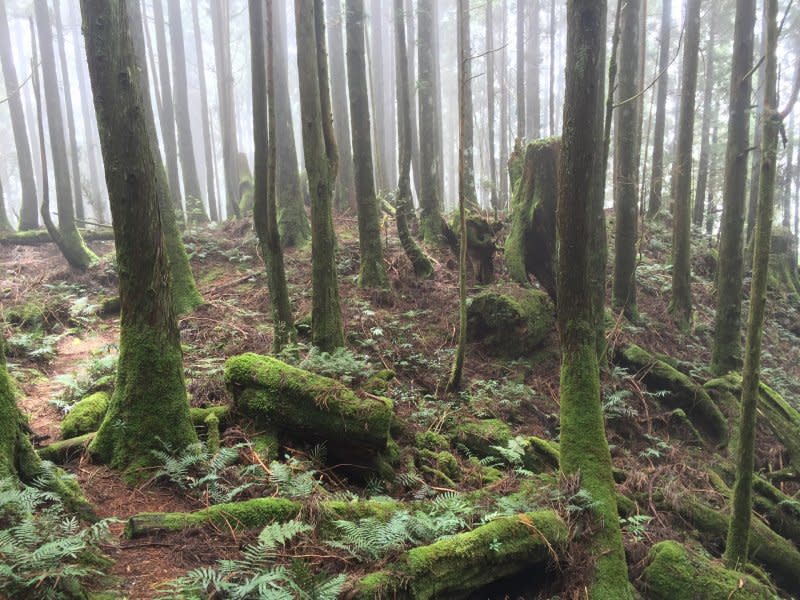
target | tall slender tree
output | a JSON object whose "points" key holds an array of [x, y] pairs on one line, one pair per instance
{"points": [[28, 214], [736, 546], [380, 99], [412, 41], [149, 407], [584, 448], [626, 162], [698, 210], [681, 302], [657, 177], [5, 224], [67, 237], [520, 99], [493, 197], [264, 206], [533, 128], [466, 112], [372, 272], [504, 125], [726, 351], [195, 210], [208, 155], [319, 147]]}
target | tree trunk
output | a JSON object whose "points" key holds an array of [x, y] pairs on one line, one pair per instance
{"points": [[493, 198], [5, 224], [708, 93], [736, 546], [520, 70], [345, 187], [71, 244], [29, 210], [220, 19], [380, 99], [149, 407], [657, 177], [551, 112], [265, 217], [372, 272], [466, 113], [195, 211], [429, 123], [626, 162], [755, 152], [412, 42], [504, 125], [74, 157], [436, 80], [727, 350], [319, 148], [681, 302], [584, 449], [292, 220], [211, 182], [421, 263], [185, 296], [533, 128]]}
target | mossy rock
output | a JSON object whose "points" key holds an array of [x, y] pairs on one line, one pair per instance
{"points": [[509, 326], [684, 393], [430, 440], [675, 572], [85, 416]]}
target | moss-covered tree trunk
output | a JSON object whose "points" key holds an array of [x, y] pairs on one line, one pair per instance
{"points": [[149, 406], [185, 296], [742, 502], [5, 224], [29, 213], [264, 205], [681, 302], [372, 272], [726, 352], [292, 220], [68, 238], [429, 125], [626, 162], [699, 208], [319, 148], [584, 449], [17, 457], [195, 210], [421, 263]]}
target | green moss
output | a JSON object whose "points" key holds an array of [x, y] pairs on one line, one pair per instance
{"points": [[85, 416], [430, 440], [675, 572], [61, 451], [199, 415], [266, 444], [479, 436]]}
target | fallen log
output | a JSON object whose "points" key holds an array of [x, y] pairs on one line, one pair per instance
{"points": [[36, 237], [65, 450]]}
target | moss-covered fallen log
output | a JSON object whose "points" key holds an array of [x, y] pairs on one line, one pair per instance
{"points": [[35, 237], [459, 565], [684, 393], [65, 450], [306, 407], [674, 572], [85, 416]]}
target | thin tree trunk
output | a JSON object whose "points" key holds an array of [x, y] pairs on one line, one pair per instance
{"points": [[413, 41], [705, 129], [372, 272], [657, 177], [504, 125], [755, 152], [195, 210], [264, 162], [5, 224], [345, 186], [533, 58], [320, 153], [493, 198], [220, 19], [149, 407], [436, 78], [421, 263], [167, 114], [681, 303], [520, 70], [786, 220], [29, 210], [466, 112], [74, 156], [736, 546], [380, 99], [211, 182], [727, 349], [68, 238]]}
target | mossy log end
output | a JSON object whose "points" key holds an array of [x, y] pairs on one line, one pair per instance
{"points": [[459, 565], [530, 247], [307, 407], [684, 393], [65, 450], [675, 572], [85, 416], [510, 326]]}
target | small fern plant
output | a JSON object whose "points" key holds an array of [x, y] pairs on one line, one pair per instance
{"points": [[44, 552], [259, 574]]}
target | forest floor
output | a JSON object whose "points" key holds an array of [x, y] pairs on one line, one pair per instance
{"points": [[58, 341]]}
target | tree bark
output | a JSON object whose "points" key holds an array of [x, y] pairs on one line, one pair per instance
{"points": [[195, 210], [726, 351], [466, 113], [626, 163], [504, 125], [533, 127], [584, 449], [520, 70], [413, 40], [681, 302], [71, 244], [5, 224], [657, 177], [149, 407], [493, 197], [372, 272], [319, 148], [29, 210], [705, 129], [380, 99]]}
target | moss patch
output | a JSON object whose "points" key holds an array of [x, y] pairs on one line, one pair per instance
{"points": [[85, 416]]}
